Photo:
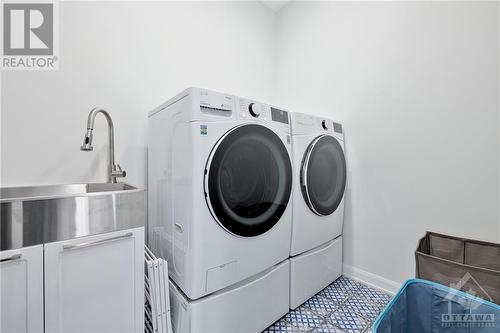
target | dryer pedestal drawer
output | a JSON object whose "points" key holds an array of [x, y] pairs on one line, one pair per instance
{"points": [[314, 270]]}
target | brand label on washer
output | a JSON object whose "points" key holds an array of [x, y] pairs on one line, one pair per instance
{"points": [[203, 129]]}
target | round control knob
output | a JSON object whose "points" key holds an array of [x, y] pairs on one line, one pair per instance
{"points": [[254, 110], [323, 123]]}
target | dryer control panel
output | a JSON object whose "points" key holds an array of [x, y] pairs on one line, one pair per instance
{"points": [[302, 123]]}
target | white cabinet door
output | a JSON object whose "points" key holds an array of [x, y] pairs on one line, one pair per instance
{"points": [[95, 283], [21, 290]]}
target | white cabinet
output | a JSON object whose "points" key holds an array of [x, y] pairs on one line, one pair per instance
{"points": [[92, 284], [95, 283], [21, 290]]}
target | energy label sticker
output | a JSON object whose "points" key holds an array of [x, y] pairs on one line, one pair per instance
{"points": [[203, 129]]}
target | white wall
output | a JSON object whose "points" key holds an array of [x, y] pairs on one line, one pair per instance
{"points": [[416, 86], [127, 58]]}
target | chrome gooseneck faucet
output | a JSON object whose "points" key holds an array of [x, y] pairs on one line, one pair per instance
{"points": [[115, 170]]}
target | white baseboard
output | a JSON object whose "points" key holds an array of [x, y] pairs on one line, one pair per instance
{"points": [[371, 279]]}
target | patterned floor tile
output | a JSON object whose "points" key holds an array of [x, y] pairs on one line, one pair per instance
{"points": [[345, 306], [282, 326], [363, 306], [338, 296], [374, 294], [348, 321], [345, 283], [321, 306], [327, 328], [303, 318]]}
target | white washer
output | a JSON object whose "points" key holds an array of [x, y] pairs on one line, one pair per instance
{"points": [[220, 180], [320, 174]]}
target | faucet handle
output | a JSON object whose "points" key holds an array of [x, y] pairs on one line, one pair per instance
{"points": [[118, 172]]}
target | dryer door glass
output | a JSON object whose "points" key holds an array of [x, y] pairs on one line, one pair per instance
{"points": [[248, 180], [323, 175]]}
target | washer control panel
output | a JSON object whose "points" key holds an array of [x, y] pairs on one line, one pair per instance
{"points": [[279, 115], [216, 104], [253, 110]]}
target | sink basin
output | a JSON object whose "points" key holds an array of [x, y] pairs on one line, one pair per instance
{"points": [[41, 214]]}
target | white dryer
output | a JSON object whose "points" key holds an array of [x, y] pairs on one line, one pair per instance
{"points": [[220, 180], [320, 174]]}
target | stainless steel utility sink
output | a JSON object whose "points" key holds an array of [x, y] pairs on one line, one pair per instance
{"points": [[9, 194], [41, 214]]}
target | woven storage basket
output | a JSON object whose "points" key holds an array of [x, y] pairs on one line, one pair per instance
{"points": [[468, 265]]}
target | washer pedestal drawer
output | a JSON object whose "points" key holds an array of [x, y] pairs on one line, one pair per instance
{"points": [[248, 306]]}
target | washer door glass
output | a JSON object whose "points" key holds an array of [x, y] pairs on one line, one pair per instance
{"points": [[323, 175], [248, 180]]}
